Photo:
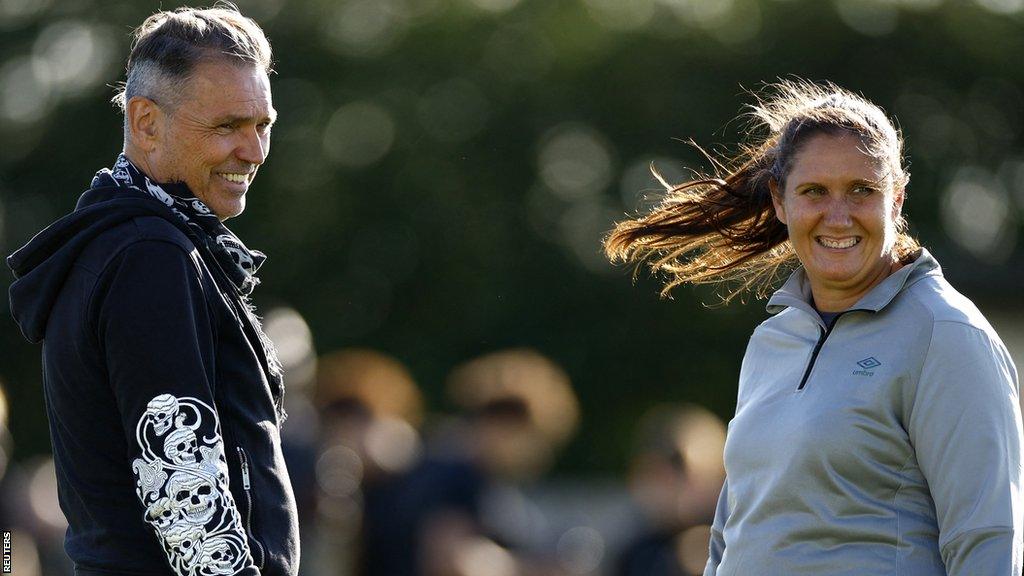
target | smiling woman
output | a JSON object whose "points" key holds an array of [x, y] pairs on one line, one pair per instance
{"points": [[840, 207], [723, 229], [877, 427]]}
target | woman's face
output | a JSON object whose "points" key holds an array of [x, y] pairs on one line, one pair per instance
{"points": [[841, 210]]}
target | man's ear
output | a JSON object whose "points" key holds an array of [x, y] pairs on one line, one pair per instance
{"points": [[145, 122], [780, 208]]}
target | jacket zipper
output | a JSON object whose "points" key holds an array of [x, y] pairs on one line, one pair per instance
{"points": [[247, 486], [817, 349]]}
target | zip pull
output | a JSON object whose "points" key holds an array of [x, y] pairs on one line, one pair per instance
{"points": [[245, 468], [823, 335]]}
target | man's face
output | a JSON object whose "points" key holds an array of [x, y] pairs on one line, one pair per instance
{"points": [[218, 136]]}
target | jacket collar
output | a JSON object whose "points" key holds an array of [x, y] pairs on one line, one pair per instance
{"points": [[796, 292]]}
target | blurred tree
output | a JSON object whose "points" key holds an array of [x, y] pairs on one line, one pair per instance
{"points": [[443, 170]]}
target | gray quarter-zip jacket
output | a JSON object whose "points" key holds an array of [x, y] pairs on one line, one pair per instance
{"points": [[888, 444]]}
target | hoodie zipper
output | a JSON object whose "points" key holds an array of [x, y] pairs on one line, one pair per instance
{"points": [[247, 486], [817, 349]]}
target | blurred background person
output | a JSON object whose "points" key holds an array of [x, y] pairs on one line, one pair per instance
{"points": [[458, 511], [293, 340], [517, 411], [370, 408], [28, 508], [6, 448], [675, 476]]}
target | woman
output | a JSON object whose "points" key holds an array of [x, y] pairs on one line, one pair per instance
{"points": [[877, 427]]}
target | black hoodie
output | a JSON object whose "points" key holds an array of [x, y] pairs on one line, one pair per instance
{"points": [[164, 427]]}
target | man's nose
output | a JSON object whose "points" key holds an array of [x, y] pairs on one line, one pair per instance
{"points": [[254, 147]]}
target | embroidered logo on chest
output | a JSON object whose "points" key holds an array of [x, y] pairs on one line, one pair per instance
{"points": [[866, 366]]}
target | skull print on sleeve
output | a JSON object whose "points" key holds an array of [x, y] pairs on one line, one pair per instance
{"points": [[185, 488], [158, 335]]}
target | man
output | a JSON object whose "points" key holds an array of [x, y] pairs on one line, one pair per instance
{"points": [[163, 393]]}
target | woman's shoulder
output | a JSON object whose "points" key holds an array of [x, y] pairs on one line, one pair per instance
{"points": [[934, 298], [957, 328]]}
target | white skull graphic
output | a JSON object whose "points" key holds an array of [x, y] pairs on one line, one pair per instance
{"points": [[198, 206], [184, 541], [181, 446], [237, 250], [162, 410], [158, 193], [193, 497], [161, 514], [217, 557]]}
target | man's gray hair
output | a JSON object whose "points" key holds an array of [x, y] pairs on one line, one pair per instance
{"points": [[170, 44]]}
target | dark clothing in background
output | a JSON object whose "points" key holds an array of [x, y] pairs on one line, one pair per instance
{"points": [[164, 426], [396, 510], [654, 554]]}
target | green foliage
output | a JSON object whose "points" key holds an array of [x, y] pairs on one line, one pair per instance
{"points": [[442, 174]]}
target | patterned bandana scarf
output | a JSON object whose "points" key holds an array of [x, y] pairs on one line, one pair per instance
{"points": [[237, 263]]}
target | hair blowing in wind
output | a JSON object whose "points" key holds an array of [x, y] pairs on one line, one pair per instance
{"points": [[723, 229]]}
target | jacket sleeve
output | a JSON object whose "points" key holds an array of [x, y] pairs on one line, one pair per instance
{"points": [[154, 327], [965, 426], [717, 545]]}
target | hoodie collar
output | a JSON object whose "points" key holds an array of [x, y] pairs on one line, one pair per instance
{"points": [[41, 266], [796, 292]]}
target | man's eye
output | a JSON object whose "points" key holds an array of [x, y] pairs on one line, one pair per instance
{"points": [[814, 191]]}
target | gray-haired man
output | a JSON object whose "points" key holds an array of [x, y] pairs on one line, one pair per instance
{"points": [[163, 394]]}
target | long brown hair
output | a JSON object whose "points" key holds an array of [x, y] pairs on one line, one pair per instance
{"points": [[722, 229]]}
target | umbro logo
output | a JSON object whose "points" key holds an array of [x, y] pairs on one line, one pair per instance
{"points": [[866, 365], [869, 363]]}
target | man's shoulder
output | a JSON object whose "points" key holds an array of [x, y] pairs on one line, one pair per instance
{"points": [[138, 233], [150, 228]]}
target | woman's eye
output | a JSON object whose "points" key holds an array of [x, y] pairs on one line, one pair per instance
{"points": [[814, 191], [863, 190]]}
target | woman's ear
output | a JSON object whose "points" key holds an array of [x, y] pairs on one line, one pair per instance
{"points": [[780, 207], [899, 195]]}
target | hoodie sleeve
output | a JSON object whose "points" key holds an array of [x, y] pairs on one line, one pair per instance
{"points": [[155, 329], [717, 544], [965, 426]]}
